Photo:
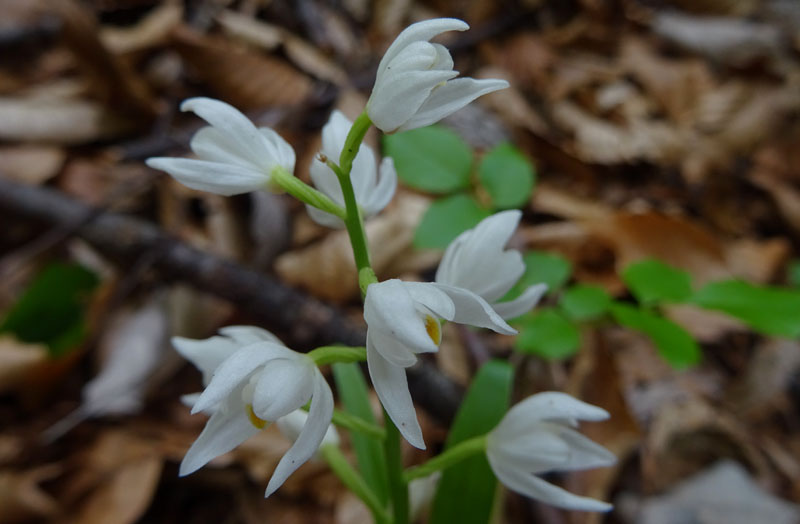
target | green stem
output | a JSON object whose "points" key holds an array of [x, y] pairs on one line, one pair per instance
{"points": [[352, 422], [354, 482], [330, 354], [398, 488], [353, 141], [452, 456], [297, 188]]}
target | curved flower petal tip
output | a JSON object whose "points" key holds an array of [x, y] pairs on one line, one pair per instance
{"points": [[233, 156], [372, 192], [535, 437], [414, 86]]}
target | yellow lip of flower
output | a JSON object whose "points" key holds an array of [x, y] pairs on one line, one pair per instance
{"points": [[254, 420], [434, 329]]}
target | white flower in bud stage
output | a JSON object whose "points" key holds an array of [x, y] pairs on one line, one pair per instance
{"points": [[234, 156], [372, 192], [536, 436], [252, 379], [416, 86], [476, 260], [403, 319]]}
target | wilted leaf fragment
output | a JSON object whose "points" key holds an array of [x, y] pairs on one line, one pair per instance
{"points": [[547, 333], [446, 219], [673, 342], [766, 309], [432, 159], [51, 310], [584, 302], [508, 176], [652, 281]]}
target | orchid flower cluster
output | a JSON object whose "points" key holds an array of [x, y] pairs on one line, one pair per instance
{"points": [[252, 379]]}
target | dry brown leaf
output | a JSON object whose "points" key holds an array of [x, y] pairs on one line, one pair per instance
{"points": [[326, 268], [18, 360], [768, 377], [31, 164], [152, 30], [511, 105], [702, 324], [241, 77], [21, 498]]}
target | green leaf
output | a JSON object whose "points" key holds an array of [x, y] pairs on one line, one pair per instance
{"points": [[432, 159], [446, 219], [673, 342], [52, 308], [769, 310], [541, 266], [547, 333], [507, 176], [794, 273], [353, 393], [652, 281], [467, 490], [584, 302]]}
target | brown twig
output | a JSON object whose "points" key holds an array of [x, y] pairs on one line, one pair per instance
{"points": [[306, 320]]}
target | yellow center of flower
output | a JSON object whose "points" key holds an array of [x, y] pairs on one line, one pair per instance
{"points": [[434, 329], [254, 420]]}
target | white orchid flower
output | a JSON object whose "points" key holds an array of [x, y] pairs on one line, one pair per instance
{"points": [[536, 436], [291, 426], [252, 379], [476, 260], [403, 319], [234, 156], [416, 86], [372, 192]]}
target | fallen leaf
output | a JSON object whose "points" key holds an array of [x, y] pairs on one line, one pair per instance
{"points": [[21, 497], [152, 30], [18, 360], [31, 164]]}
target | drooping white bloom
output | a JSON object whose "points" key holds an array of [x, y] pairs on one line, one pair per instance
{"points": [[415, 84], [233, 155], [252, 379], [291, 427], [536, 436], [372, 192], [403, 319], [476, 260]]}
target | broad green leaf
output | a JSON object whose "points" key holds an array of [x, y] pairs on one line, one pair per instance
{"points": [[547, 333], [507, 176], [652, 281], [541, 266], [769, 310], [52, 308], [446, 219], [467, 490], [353, 393], [672, 341], [794, 273], [584, 302], [433, 159]]}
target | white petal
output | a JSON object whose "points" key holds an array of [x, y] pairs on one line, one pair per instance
{"points": [[207, 354], [449, 98], [291, 426], [584, 453], [421, 31], [384, 191], [213, 177], [334, 135], [232, 123], [314, 430], [536, 488], [226, 429], [246, 335], [236, 368], [433, 298], [475, 311], [550, 405], [281, 153], [324, 218], [325, 180], [522, 304], [389, 308], [283, 386], [363, 174], [534, 451], [391, 385], [210, 144], [391, 349], [393, 102]]}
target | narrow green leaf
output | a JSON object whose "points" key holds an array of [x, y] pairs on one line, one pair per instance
{"points": [[769, 310], [446, 219], [432, 159], [353, 393], [467, 490], [673, 342], [547, 333], [541, 266], [584, 302], [652, 281], [507, 176], [52, 308]]}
